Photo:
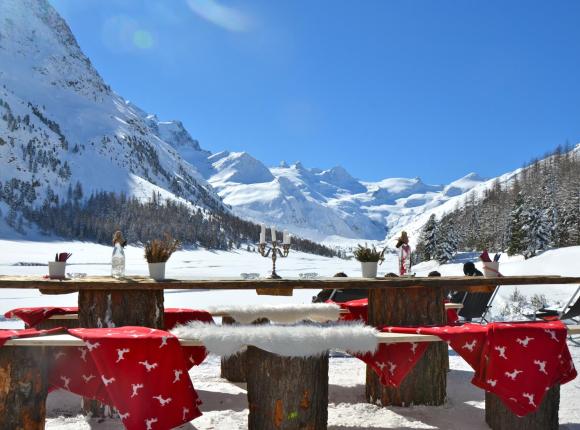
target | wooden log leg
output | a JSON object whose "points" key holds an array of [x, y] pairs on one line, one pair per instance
{"points": [[426, 384], [23, 388], [287, 393], [233, 368], [100, 308], [121, 308], [499, 417]]}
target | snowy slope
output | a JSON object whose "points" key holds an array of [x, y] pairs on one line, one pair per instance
{"points": [[60, 123]]}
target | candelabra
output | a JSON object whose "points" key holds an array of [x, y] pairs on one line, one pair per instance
{"points": [[274, 249]]}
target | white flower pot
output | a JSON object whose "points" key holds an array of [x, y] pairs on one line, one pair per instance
{"points": [[369, 269], [56, 269], [157, 271], [491, 268]]}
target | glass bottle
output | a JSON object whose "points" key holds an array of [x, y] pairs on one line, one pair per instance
{"points": [[118, 258]]}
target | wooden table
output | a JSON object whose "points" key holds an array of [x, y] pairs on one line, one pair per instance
{"points": [[404, 301], [457, 283]]}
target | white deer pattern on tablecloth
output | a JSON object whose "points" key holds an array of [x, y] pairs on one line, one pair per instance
{"points": [[148, 366], [136, 388], [513, 374], [524, 342], [121, 354], [163, 401]]}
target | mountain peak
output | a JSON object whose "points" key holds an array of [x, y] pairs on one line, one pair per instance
{"points": [[240, 168]]}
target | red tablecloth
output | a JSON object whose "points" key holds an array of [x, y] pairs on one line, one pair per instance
{"points": [[522, 361], [358, 311], [518, 362], [194, 355], [172, 317], [34, 316], [139, 371]]}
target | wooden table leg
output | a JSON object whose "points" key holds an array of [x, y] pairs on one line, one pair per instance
{"points": [[499, 417], [287, 393], [100, 308], [23, 387], [426, 384], [233, 368]]}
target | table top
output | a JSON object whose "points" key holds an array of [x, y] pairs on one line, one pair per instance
{"points": [[145, 283]]}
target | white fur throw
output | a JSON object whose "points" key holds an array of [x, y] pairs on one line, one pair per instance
{"points": [[283, 314], [299, 340]]}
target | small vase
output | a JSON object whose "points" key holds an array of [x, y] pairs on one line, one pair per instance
{"points": [[491, 269], [369, 269], [157, 271], [56, 269]]}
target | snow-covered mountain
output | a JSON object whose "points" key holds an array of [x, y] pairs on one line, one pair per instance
{"points": [[326, 204], [61, 124]]}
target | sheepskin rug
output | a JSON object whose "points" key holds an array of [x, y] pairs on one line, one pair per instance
{"points": [[282, 314], [300, 340]]}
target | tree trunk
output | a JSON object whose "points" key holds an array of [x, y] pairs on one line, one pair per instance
{"points": [[287, 393], [426, 384], [98, 308], [23, 387], [101, 308], [499, 417], [233, 368]]}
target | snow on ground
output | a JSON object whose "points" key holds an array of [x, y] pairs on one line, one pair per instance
{"points": [[225, 404]]}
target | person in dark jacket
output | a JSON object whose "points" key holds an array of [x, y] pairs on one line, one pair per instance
{"points": [[469, 269]]}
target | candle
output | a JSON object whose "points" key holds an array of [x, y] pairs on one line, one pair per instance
{"points": [[286, 237], [263, 234], [273, 234]]}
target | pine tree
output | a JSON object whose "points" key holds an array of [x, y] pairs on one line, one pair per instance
{"points": [[447, 241], [516, 240], [428, 239], [536, 230]]}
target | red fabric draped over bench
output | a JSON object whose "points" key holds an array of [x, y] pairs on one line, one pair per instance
{"points": [[172, 317], [358, 311], [36, 315], [140, 371], [518, 362]]}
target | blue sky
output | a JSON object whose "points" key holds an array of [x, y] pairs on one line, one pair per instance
{"points": [[385, 88]]}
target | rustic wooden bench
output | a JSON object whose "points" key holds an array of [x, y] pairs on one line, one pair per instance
{"points": [[273, 401]]}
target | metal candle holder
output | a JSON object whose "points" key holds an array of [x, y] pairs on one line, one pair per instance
{"points": [[276, 252]]}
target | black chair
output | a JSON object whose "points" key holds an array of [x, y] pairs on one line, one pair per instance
{"points": [[475, 305], [341, 296], [569, 312]]}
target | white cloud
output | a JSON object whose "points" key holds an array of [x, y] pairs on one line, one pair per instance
{"points": [[223, 16]]}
